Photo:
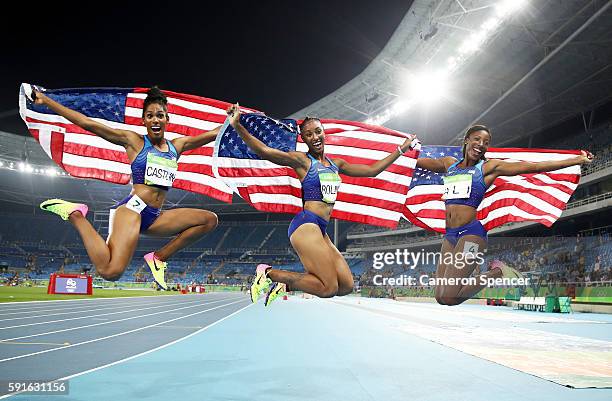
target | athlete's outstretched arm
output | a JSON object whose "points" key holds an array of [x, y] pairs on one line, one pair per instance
{"points": [[503, 168], [289, 159], [117, 136], [372, 170], [439, 165], [192, 142]]}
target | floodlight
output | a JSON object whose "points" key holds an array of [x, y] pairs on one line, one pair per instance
{"points": [[508, 6], [491, 24], [427, 87]]}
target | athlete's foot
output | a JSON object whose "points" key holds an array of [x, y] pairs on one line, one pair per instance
{"points": [[63, 208], [506, 271], [277, 290], [261, 282], [158, 269]]}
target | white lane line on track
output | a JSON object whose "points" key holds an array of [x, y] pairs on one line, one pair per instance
{"points": [[124, 305], [18, 343], [108, 322], [117, 334], [145, 352], [18, 303], [115, 301], [119, 301], [90, 316], [179, 327]]}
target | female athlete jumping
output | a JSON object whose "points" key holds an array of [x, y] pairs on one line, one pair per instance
{"points": [[154, 165], [327, 273], [465, 184]]}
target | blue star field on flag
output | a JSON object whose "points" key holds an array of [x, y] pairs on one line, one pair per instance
{"points": [[102, 103], [277, 134], [427, 177]]}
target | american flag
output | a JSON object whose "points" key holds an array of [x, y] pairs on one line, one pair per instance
{"points": [[528, 197], [83, 154], [273, 188]]}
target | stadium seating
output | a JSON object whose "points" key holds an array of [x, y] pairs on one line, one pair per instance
{"points": [[228, 254]]}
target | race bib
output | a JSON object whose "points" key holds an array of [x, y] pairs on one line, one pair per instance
{"points": [[457, 186], [329, 186], [160, 171]]}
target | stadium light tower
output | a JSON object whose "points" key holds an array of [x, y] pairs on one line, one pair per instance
{"points": [[473, 42], [508, 6], [425, 88]]}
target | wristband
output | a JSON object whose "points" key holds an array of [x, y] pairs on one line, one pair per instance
{"points": [[399, 150]]}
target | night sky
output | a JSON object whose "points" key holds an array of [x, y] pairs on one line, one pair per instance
{"points": [[276, 56]]}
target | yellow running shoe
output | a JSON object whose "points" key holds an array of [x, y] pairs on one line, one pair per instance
{"points": [[158, 269], [277, 290], [261, 282], [63, 208]]}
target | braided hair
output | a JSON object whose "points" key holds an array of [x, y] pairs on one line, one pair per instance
{"points": [[469, 131], [306, 120], [155, 95]]}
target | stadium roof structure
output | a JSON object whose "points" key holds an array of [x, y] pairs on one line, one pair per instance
{"points": [[544, 63]]}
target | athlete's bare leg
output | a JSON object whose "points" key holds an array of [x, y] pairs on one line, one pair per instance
{"points": [[189, 224], [321, 277], [343, 271], [112, 257], [447, 249], [457, 294]]}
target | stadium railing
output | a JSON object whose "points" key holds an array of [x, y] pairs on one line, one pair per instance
{"points": [[589, 200]]}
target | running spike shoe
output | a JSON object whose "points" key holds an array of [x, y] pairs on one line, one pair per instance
{"points": [[158, 269], [261, 282], [63, 208], [277, 290]]}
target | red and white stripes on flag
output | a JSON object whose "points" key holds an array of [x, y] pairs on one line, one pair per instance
{"points": [[378, 200], [539, 197], [83, 154]]}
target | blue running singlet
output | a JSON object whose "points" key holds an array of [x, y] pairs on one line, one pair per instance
{"points": [[154, 167], [321, 182], [464, 186]]}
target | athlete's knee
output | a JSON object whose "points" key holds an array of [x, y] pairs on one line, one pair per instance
{"points": [[211, 220], [439, 294], [329, 291], [207, 222], [110, 273], [345, 290], [449, 301]]}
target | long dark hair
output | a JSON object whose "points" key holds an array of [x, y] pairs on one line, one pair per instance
{"points": [[155, 95], [474, 128]]}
